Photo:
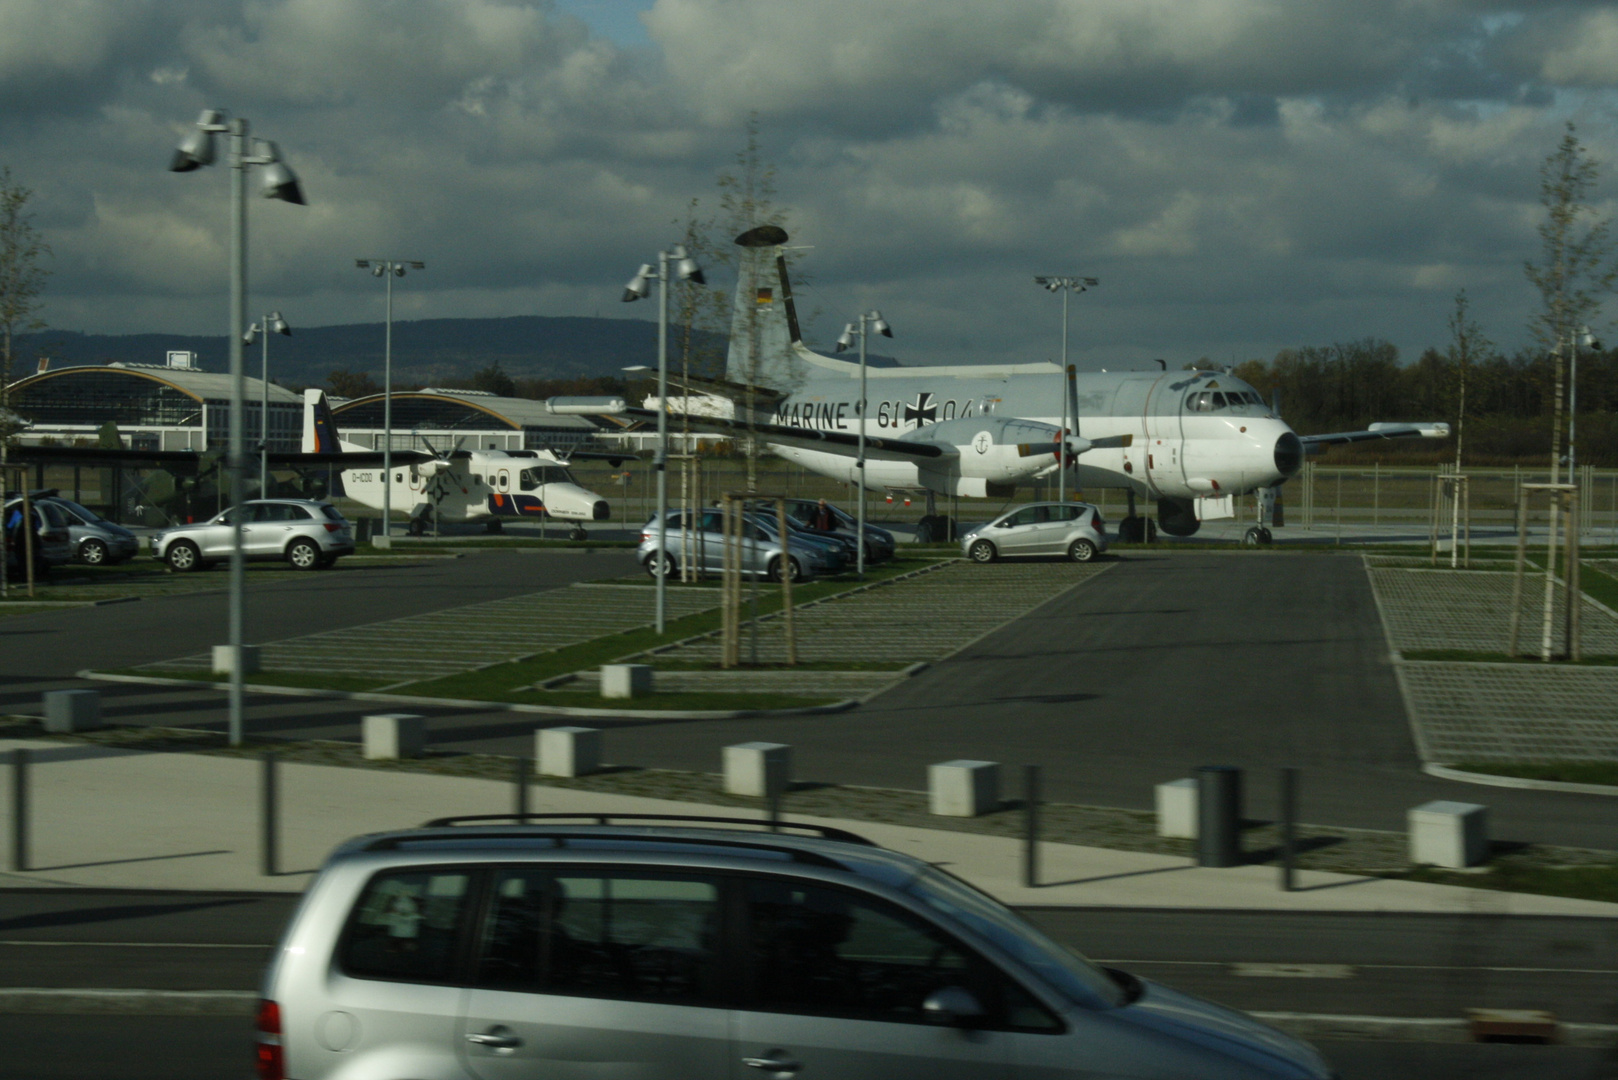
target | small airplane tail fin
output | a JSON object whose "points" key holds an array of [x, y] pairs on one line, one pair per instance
{"points": [[764, 335], [319, 426]]}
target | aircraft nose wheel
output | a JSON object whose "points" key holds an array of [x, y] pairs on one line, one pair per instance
{"points": [[1257, 536], [578, 533]]}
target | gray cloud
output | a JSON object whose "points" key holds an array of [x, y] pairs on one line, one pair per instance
{"points": [[1242, 174]]}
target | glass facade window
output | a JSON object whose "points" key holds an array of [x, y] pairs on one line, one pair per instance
{"points": [[124, 398]]}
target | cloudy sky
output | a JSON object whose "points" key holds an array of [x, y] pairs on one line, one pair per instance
{"points": [[1242, 175]]}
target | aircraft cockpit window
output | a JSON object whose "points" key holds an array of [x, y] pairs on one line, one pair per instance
{"points": [[1204, 401], [529, 479], [1219, 400]]}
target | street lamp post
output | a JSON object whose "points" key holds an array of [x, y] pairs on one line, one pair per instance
{"points": [[685, 269], [868, 321], [388, 269], [1066, 286], [271, 324], [196, 149]]}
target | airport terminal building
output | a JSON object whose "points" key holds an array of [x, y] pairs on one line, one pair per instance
{"points": [[479, 420], [173, 406]]}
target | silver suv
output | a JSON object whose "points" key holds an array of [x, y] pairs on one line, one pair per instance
{"points": [[309, 535], [1072, 529], [670, 947]]}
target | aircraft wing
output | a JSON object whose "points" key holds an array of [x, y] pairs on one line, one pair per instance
{"points": [[1378, 431], [877, 448]]}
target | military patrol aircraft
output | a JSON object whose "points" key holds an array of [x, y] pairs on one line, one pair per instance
{"points": [[491, 486], [1190, 440]]}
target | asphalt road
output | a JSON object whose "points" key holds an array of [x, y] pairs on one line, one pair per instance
{"points": [[1399, 966], [1168, 662]]}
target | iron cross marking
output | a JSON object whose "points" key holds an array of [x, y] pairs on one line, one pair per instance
{"points": [[923, 411]]}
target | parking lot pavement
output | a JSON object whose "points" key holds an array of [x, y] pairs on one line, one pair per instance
{"points": [[459, 639], [918, 619], [1467, 711]]}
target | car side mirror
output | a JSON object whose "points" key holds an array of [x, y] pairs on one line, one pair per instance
{"points": [[952, 1006]]}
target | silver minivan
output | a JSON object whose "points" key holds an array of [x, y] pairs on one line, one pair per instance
{"points": [[651, 947]]}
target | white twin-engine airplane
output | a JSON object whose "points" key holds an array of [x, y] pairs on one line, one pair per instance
{"points": [[1190, 440], [491, 486]]}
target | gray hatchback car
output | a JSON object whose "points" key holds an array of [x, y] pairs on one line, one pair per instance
{"points": [[649, 947], [1071, 529]]}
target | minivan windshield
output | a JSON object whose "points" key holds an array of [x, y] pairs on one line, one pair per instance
{"points": [[1081, 981]]}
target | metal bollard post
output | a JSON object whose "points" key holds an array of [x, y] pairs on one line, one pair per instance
{"points": [[19, 809], [1289, 828], [1219, 815], [270, 813], [775, 784], [1030, 859], [525, 767]]}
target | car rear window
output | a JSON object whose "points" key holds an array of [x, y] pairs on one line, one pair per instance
{"points": [[331, 512]]}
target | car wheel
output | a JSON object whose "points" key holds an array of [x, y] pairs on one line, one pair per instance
{"points": [[661, 565], [183, 556], [1081, 551], [303, 555], [93, 552], [982, 551], [793, 569]]}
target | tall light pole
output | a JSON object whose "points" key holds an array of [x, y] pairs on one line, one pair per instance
{"points": [[868, 321], [195, 151], [387, 269], [685, 269], [271, 324], [1066, 286]]}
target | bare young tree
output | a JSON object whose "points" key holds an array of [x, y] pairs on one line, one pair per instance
{"points": [[1576, 267], [1467, 344]]}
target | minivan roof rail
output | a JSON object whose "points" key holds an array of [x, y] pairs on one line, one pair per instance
{"points": [[827, 832]]}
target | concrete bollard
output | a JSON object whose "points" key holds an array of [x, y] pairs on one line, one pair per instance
{"points": [[626, 680], [222, 664], [567, 751], [67, 711], [1177, 809], [394, 735], [750, 768], [963, 788], [1449, 834]]}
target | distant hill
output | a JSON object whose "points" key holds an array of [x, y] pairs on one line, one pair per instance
{"points": [[424, 351]]}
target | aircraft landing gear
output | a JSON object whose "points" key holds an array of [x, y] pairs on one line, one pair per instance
{"points": [[494, 525], [934, 528], [578, 533], [1257, 536], [1134, 528], [417, 527]]}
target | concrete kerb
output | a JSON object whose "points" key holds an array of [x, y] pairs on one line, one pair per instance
{"points": [[485, 706], [1523, 783]]}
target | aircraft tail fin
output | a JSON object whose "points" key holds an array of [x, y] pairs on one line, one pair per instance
{"points": [[319, 426], [765, 341]]}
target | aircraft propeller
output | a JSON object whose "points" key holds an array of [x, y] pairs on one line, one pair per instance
{"points": [[1073, 445]]}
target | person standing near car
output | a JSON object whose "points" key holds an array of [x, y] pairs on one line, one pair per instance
{"points": [[823, 518]]}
